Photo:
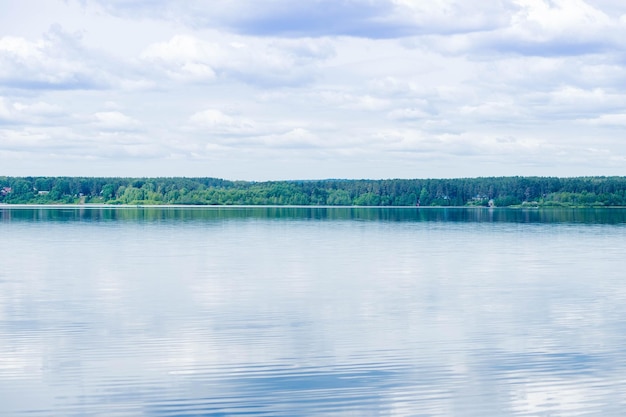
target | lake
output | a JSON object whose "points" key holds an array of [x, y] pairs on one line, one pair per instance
{"points": [[300, 311]]}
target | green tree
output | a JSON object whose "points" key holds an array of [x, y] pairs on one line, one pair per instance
{"points": [[367, 199], [339, 198], [424, 198], [108, 192]]}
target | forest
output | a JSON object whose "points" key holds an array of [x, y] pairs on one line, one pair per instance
{"points": [[484, 191]]}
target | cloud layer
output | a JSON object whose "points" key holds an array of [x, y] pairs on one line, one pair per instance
{"points": [[314, 89]]}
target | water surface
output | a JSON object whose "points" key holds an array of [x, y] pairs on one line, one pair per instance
{"points": [[311, 311]]}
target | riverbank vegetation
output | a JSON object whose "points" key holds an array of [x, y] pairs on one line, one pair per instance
{"points": [[493, 191]]}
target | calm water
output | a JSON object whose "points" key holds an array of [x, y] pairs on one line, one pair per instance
{"points": [[312, 312]]}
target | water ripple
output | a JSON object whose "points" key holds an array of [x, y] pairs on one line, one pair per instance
{"points": [[315, 313]]}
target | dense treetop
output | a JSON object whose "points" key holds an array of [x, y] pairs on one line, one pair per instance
{"points": [[497, 191]]}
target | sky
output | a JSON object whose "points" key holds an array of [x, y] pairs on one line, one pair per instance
{"points": [[313, 89]]}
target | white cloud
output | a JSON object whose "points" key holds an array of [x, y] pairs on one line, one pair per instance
{"points": [[558, 17], [36, 113], [217, 128], [452, 16], [506, 86], [39, 108], [180, 48], [489, 110], [184, 57], [188, 58], [215, 122], [298, 138], [345, 100], [368, 102], [28, 139], [114, 120], [52, 62], [559, 27], [407, 114], [610, 120], [541, 28], [5, 110]]}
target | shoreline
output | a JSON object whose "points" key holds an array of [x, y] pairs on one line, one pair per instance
{"points": [[220, 206]]}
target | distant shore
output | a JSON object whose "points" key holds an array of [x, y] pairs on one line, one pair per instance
{"points": [[234, 206], [196, 192]]}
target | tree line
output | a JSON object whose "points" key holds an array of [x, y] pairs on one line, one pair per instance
{"points": [[484, 191]]}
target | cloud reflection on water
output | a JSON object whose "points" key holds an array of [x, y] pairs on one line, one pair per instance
{"points": [[169, 314]]}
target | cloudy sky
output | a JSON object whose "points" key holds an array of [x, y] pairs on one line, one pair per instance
{"points": [[279, 89]]}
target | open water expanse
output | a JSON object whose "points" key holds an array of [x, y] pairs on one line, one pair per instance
{"points": [[163, 312]]}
